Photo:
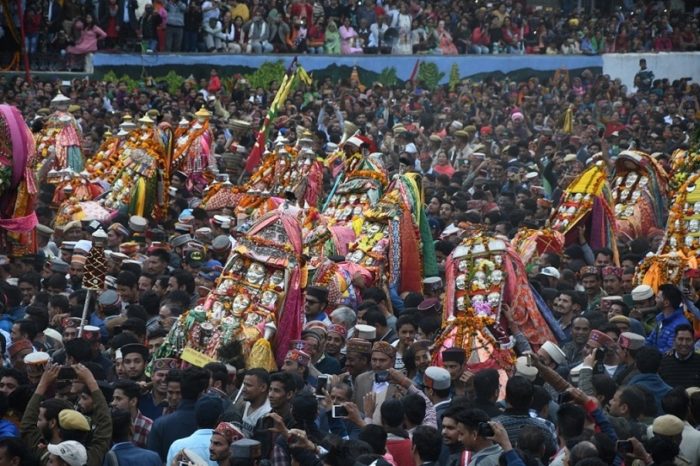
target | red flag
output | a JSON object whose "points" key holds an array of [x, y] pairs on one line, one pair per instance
{"points": [[256, 152]]}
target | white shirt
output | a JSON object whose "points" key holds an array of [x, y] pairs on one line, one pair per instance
{"points": [[250, 418]]}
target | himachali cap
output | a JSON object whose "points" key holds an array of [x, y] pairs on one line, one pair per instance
{"points": [[70, 322], [667, 425], [91, 333], [428, 305], [611, 270], [358, 345], [458, 355], [554, 352], [183, 227], [119, 229], [37, 358], [522, 369], [314, 333], [137, 223], [338, 330], [59, 266], [221, 244], [612, 298], [220, 219], [630, 340], [78, 259], [164, 364], [180, 240], [228, 431], [589, 270], [385, 348], [68, 245], [300, 357], [599, 339], [642, 293], [366, 332], [246, 449], [550, 272], [300, 345], [130, 248], [433, 283], [71, 225], [19, 345], [436, 378], [109, 298], [135, 348]]}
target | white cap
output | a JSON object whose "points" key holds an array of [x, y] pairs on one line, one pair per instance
{"points": [[37, 357], [521, 368], [366, 332], [437, 378], [84, 245], [569, 157], [411, 148], [550, 272], [554, 352], [69, 451], [642, 293]]}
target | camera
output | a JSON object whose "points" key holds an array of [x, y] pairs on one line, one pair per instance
{"points": [[600, 354], [267, 423], [484, 429], [339, 411], [321, 384], [381, 376], [66, 373]]}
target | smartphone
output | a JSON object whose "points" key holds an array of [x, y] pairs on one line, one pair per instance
{"points": [[564, 397], [66, 373], [339, 411], [381, 376], [624, 447], [484, 429], [321, 385], [267, 423], [600, 354]]}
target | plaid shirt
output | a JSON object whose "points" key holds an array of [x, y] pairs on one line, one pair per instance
{"points": [[142, 427]]}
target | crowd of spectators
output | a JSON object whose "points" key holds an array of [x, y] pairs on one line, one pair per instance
{"points": [[357, 27], [615, 376]]}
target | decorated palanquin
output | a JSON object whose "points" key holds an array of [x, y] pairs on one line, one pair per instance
{"points": [[356, 191], [193, 152], [394, 241], [639, 194], [137, 178], [106, 155], [60, 140], [260, 289], [680, 246], [531, 244], [72, 186], [482, 275], [18, 189], [684, 164], [586, 202]]}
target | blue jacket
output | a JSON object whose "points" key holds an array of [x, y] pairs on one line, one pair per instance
{"points": [[167, 429], [654, 384], [129, 454], [664, 330]]}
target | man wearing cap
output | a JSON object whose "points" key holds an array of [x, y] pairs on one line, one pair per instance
{"points": [[645, 307], [315, 302], [670, 427], [680, 367], [377, 380], [116, 235], [357, 357], [297, 362], [70, 452], [315, 337], [669, 300], [45, 420], [604, 342], [335, 342], [628, 343], [612, 280], [437, 387], [590, 280], [220, 444]]}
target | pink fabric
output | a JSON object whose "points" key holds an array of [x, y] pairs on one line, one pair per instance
{"points": [[22, 143], [342, 237], [291, 318], [20, 224]]}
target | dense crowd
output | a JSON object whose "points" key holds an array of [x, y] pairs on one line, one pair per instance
{"points": [[621, 387], [76, 28]]}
